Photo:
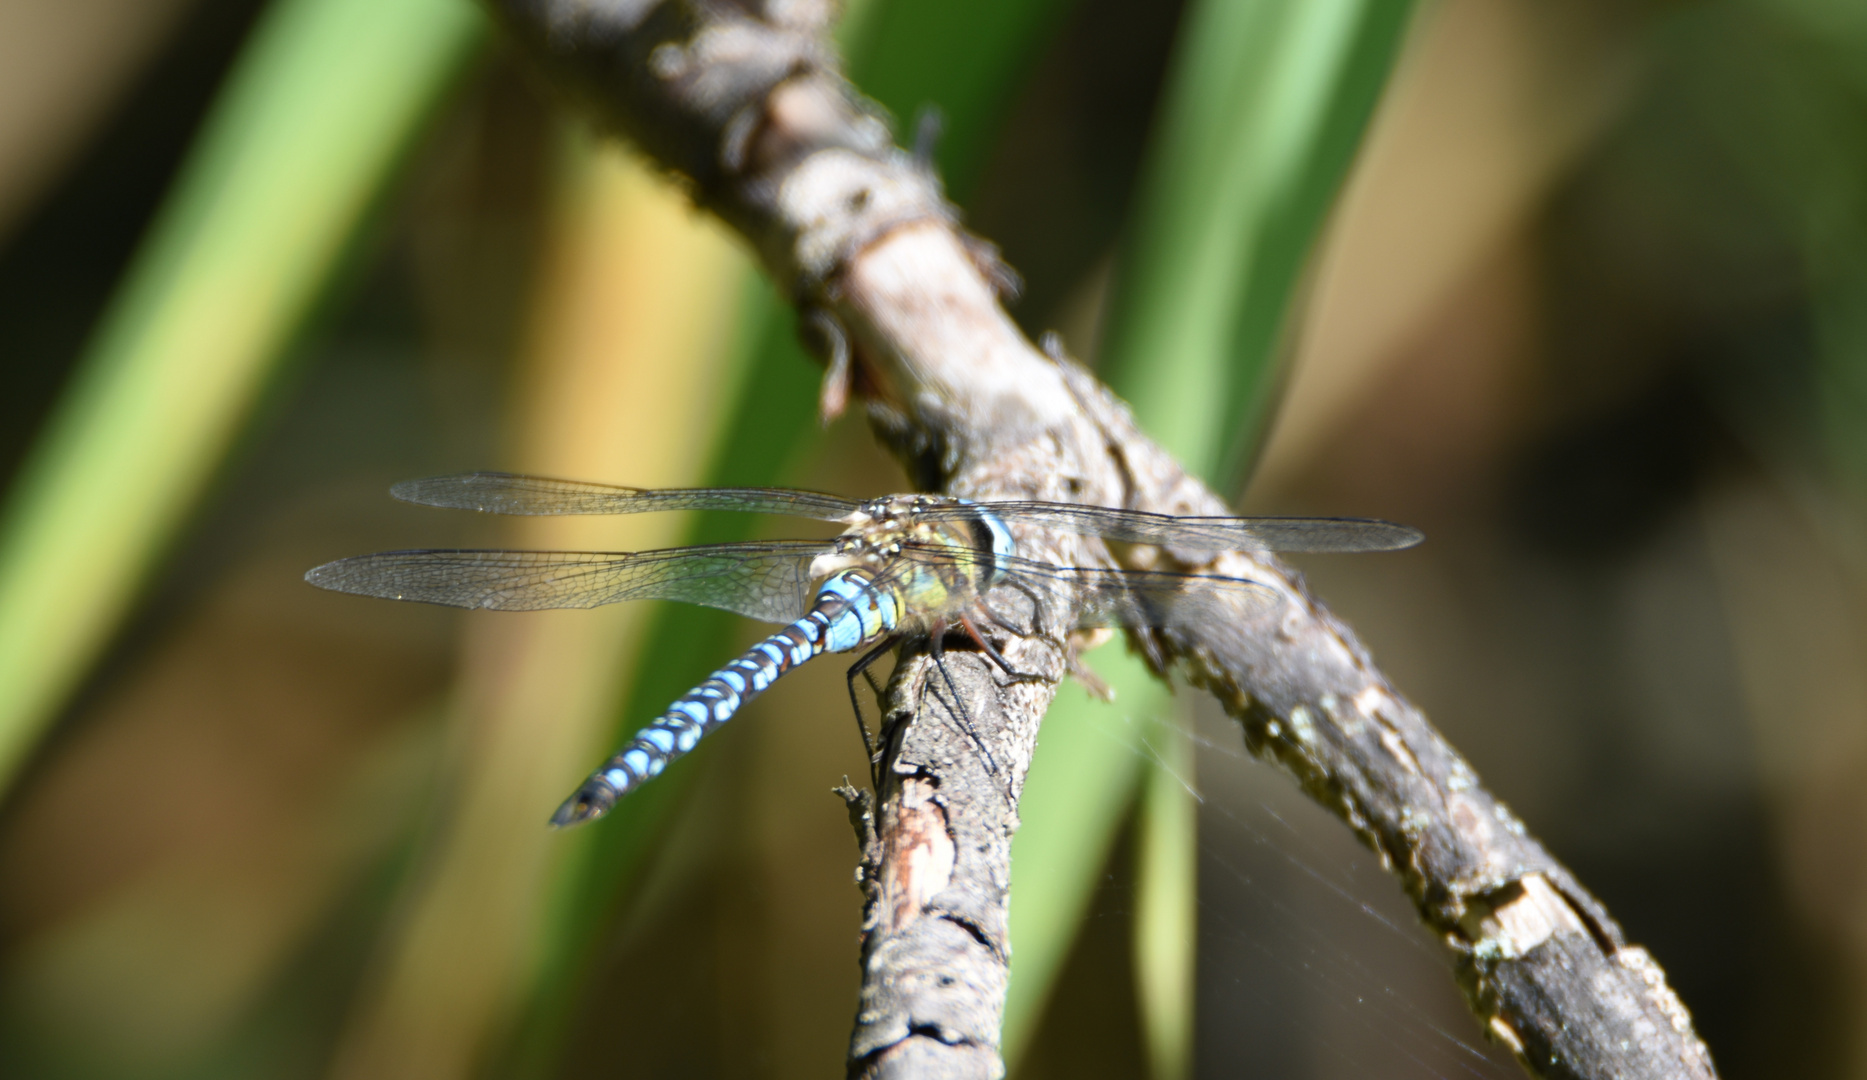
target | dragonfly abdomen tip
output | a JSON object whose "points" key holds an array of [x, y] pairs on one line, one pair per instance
{"points": [[592, 800]]}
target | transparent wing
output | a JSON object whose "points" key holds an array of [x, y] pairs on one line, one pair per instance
{"points": [[1207, 534], [769, 581], [1105, 597], [1144, 598], [510, 493]]}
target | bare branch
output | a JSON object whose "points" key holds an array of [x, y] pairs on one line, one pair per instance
{"points": [[747, 103]]}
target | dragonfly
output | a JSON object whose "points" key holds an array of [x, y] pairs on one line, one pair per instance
{"points": [[904, 565]]}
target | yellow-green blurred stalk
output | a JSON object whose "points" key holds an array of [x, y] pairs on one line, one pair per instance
{"points": [[321, 106], [1166, 903], [623, 378]]}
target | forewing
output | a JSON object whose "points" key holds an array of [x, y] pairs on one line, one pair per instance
{"points": [[1140, 598], [1161, 600], [510, 493], [769, 581], [1204, 534], [1102, 597]]}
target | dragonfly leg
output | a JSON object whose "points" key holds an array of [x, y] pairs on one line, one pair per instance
{"points": [[1036, 629], [993, 653], [1011, 628], [937, 651], [861, 667], [986, 647], [999, 620], [1073, 664]]}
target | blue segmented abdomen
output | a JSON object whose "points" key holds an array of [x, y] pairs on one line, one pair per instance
{"points": [[847, 614]]}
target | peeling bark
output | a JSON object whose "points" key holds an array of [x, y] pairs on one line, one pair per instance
{"points": [[746, 103]]}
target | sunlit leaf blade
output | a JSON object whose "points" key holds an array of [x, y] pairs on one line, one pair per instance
{"points": [[1266, 104], [321, 106], [1166, 903]]}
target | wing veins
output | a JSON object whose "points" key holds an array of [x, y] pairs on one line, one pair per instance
{"points": [[1207, 534], [1106, 596], [516, 493], [760, 580]]}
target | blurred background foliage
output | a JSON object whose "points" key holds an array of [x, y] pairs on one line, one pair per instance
{"points": [[1578, 288]]}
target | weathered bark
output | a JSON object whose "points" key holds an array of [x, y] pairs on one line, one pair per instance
{"points": [[746, 102]]}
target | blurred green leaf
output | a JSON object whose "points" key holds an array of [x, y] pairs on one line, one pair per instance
{"points": [[964, 57], [1783, 85], [1267, 101], [1166, 903], [325, 100], [1265, 106]]}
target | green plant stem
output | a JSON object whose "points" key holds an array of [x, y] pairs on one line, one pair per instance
{"points": [[323, 103], [1166, 904], [1266, 103]]}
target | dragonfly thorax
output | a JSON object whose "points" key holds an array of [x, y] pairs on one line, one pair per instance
{"points": [[935, 565], [896, 519]]}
